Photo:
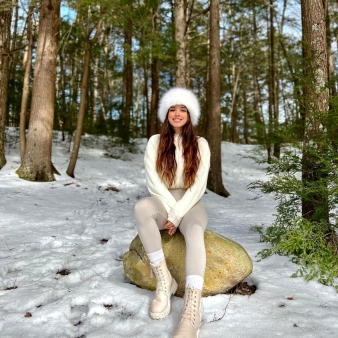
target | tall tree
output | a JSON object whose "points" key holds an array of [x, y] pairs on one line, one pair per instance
{"points": [[128, 80], [273, 106], [27, 66], [5, 34], [260, 128], [153, 121], [89, 42], [37, 164], [315, 101], [235, 73], [180, 38], [332, 81], [215, 183]]}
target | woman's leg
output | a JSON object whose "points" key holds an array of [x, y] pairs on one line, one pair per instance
{"points": [[151, 216], [192, 227]]}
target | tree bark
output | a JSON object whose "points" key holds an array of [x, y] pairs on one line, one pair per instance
{"points": [[63, 90], [37, 164], [260, 128], [272, 109], [180, 38], [273, 87], [128, 83], [5, 35], [234, 115], [246, 114], [83, 99], [27, 65], [12, 105], [154, 79], [314, 201], [333, 124], [234, 82], [215, 183]]}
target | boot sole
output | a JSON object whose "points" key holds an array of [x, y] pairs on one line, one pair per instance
{"points": [[165, 312]]}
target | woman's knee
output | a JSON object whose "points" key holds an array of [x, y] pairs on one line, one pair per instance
{"points": [[192, 231], [149, 207], [140, 206]]}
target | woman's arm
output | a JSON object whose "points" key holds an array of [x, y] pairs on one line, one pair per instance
{"points": [[196, 191], [154, 183]]}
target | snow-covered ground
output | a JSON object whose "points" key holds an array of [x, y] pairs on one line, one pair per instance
{"points": [[61, 244]]}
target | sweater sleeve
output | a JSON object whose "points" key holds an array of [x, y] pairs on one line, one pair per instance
{"points": [[155, 185], [196, 191]]}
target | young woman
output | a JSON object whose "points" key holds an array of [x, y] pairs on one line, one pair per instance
{"points": [[177, 164]]}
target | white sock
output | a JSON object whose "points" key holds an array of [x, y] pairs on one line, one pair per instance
{"points": [[156, 257], [194, 281]]}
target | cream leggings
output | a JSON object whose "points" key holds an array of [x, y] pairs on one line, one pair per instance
{"points": [[151, 216]]}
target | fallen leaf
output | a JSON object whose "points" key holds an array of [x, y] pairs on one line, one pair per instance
{"points": [[111, 188]]}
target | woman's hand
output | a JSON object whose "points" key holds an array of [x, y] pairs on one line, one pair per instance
{"points": [[171, 228]]}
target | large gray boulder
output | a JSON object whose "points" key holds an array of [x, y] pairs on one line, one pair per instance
{"points": [[227, 263]]}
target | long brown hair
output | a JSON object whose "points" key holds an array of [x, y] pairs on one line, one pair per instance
{"points": [[166, 165]]}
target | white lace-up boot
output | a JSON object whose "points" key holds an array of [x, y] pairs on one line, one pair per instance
{"points": [[189, 326], [165, 287]]}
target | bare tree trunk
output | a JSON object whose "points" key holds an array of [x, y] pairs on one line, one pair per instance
{"points": [[272, 86], [135, 129], [180, 38], [314, 203], [235, 79], [37, 164], [27, 66], [83, 99], [259, 124], [154, 80], [5, 35], [95, 89], [234, 82], [14, 117], [215, 183], [74, 87], [333, 124], [246, 114], [146, 99], [106, 76], [62, 116], [128, 83]]}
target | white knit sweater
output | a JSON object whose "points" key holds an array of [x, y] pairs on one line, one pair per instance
{"points": [[156, 187]]}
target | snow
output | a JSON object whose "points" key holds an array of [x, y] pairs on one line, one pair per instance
{"points": [[78, 227]]}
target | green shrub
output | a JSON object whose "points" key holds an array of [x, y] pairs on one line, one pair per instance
{"points": [[310, 244]]}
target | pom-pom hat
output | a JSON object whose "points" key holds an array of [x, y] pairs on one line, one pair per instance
{"points": [[181, 96]]}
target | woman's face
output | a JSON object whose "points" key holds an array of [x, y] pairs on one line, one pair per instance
{"points": [[178, 116]]}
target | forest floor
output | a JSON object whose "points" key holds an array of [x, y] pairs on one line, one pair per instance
{"points": [[61, 245]]}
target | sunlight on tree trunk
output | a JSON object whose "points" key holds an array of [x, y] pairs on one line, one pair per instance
{"points": [[84, 93], [215, 183], [37, 164], [315, 202], [180, 38], [27, 66]]}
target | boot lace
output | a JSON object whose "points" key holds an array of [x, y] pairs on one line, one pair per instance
{"points": [[190, 307], [160, 279]]}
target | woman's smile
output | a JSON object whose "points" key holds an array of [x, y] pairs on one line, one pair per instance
{"points": [[178, 117]]}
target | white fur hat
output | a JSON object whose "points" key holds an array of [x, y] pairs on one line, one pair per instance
{"points": [[179, 96]]}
